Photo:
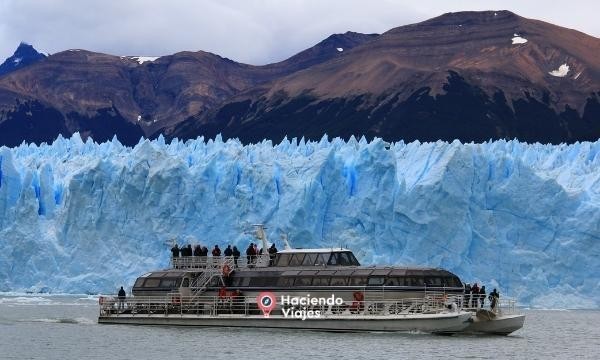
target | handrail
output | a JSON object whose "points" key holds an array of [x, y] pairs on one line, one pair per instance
{"points": [[233, 304], [208, 262]]}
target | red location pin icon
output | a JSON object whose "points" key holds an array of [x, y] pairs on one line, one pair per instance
{"points": [[266, 302]]}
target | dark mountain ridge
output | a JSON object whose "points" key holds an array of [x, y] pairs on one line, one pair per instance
{"points": [[135, 96], [471, 76]]}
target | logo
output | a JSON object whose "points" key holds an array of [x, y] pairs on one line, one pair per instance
{"points": [[266, 302]]}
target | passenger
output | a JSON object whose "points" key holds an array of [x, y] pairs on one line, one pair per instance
{"points": [[175, 251], [197, 250], [494, 297], [121, 297], [482, 296], [272, 253], [467, 299], [228, 251], [184, 251], [475, 295], [250, 254], [204, 251], [236, 255], [189, 251], [216, 251], [255, 249]]}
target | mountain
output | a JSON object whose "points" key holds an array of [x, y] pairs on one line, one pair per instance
{"points": [[82, 217], [471, 76], [102, 95], [25, 55]]}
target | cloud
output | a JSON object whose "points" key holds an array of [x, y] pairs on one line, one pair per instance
{"points": [[250, 31]]}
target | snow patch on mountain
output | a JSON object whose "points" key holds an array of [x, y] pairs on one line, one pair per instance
{"points": [[143, 59], [518, 39], [562, 71], [83, 217]]}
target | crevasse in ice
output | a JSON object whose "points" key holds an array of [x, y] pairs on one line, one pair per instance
{"points": [[83, 217]]}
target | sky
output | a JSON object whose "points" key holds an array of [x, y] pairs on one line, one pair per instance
{"points": [[249, 31]]}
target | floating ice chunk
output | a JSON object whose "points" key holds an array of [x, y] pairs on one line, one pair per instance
{"points": [[562, 71], [143, 59], [17, 61], [340, 49], [518, 39]]}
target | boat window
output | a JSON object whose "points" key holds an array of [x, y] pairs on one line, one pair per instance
{"points": [[237, 281], [262, 281], [353, 259], [414, 281], [358, 281], [433, 281], [283, 259], [296, 260], [339, 281], [139, 282], [303, 281], [453, 281], [394, 281], [333, 259], [321, 281], [152, 282], [309, 259], [376, 281], [285, 281], [186, 283], [322, 259], [344, 259]]}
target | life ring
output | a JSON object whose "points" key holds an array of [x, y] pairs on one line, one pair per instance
{"points": [[358, 296], [222, 292], [226, 270]]}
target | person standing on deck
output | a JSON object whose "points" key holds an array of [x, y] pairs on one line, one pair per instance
{"points": [[236, 255], [121, 296], [228, 251]]}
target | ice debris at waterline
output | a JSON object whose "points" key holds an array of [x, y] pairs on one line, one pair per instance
{"points": [[83, 217]]}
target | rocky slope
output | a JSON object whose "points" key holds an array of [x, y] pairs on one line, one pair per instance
{"points": [[471, 76], [102, 95]]}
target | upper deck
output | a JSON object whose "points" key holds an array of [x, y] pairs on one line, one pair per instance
{"points": [[285, 258]]}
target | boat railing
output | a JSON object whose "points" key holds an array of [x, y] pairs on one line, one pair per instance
{"points": [[232, 304], [476, 302], [217, 262]]}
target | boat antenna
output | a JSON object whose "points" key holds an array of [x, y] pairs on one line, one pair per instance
{"points": [[286, 243]]}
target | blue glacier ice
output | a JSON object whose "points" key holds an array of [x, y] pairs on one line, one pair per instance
{"points": [[83, 217]]}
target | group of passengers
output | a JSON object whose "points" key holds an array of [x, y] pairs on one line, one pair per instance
{"points": [[252, 252], [475, 296]]}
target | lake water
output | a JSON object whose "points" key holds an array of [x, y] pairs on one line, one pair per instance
{"points": [[64, 327]]}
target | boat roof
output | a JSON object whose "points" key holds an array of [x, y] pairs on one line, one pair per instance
{"points": [[320, 251]]}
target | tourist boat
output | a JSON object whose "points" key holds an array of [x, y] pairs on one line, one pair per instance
{"points": [[223, 291]]}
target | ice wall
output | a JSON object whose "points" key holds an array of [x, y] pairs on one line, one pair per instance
{"points": [[86, 217]]}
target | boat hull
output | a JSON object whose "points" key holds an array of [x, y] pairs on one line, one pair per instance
{"points": [[483, 323], [432, 323]]}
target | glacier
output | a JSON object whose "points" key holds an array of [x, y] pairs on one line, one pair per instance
{"points": [[81, 217]]}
